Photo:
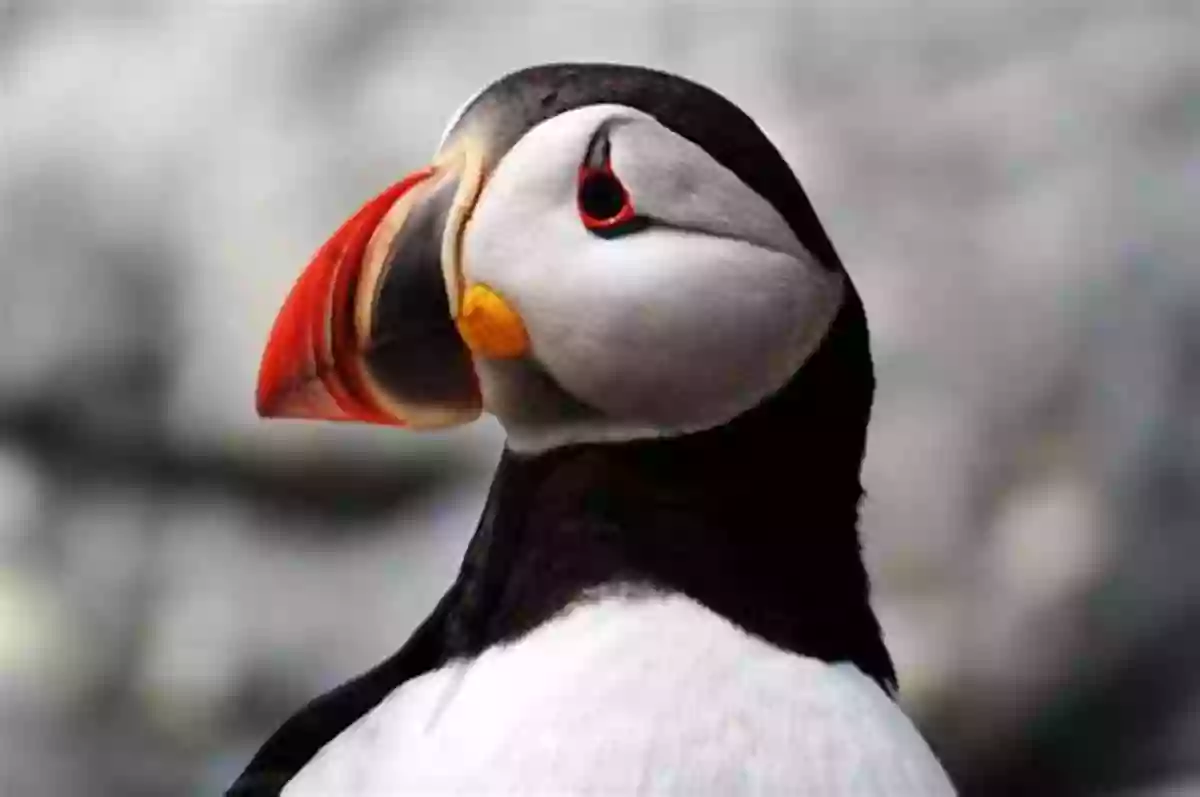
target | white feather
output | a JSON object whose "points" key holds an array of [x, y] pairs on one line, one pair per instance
{"points": [[648, 696]]}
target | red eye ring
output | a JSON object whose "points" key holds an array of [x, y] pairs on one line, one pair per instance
{"points": [[604, 204]]}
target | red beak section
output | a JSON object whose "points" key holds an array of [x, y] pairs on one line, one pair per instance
{"points": [[313, 366]]}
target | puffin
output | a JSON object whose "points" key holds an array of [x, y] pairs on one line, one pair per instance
{"points": [[665, 593]]}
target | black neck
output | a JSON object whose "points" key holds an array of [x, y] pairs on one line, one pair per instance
{"points": [[756, 520]]}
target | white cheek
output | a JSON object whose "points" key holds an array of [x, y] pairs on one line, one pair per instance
{"points": [[523, 252], [678, 329], [663, 329]]}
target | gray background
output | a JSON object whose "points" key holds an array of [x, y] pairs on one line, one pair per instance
{"points": [[1014, 186]]}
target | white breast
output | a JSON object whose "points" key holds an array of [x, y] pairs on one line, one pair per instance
{"points": [[647, 696]]}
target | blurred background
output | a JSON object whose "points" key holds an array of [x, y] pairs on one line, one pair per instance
{"points": [[1014, 186]]}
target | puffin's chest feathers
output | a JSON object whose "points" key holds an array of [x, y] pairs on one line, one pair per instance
{"points": [[629, 694]]}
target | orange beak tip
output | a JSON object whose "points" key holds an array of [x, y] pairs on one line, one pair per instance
{"points": [[311, 367], [307, 399]]}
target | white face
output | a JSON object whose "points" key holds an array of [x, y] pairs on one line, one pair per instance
{"points": [[675, 326]]}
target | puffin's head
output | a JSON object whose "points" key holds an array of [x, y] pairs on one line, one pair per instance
{"points": [[596, 253]]}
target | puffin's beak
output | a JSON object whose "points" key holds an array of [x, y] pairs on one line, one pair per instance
{"points": [[368, 331]]}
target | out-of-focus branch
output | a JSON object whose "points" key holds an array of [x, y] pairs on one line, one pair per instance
{"points": [[326, 486]]}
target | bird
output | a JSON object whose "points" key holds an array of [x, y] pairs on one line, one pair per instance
{"points": [[666, 592]]}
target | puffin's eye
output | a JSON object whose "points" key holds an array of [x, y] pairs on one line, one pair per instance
{"points": [[604, 204]]}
